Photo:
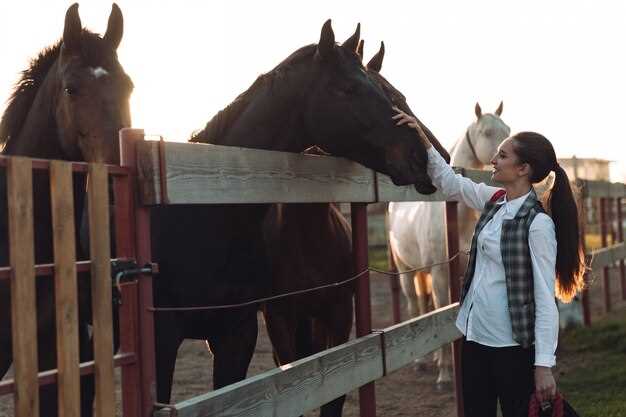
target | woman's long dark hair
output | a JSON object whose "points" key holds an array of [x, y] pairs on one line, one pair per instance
{"points": [[537, 151]]}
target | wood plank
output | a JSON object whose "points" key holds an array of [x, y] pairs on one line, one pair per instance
{"points": [[414, 338], [387, 191], [293, 389], [23, 306], [618, 190], [211, 174], [66, 291], [603, 257], [99, 241], [597, 189]]}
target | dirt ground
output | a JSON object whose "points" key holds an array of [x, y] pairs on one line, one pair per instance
{"points": [[407, 392]]}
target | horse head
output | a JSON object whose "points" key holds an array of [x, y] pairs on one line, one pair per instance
{"points": [[396, 97], [92, 91], [486, 133], [349, 114]]}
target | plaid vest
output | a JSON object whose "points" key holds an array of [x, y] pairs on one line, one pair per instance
{"points": [[517, 265]]}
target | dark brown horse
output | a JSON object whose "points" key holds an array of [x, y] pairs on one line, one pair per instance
{"points": [[69, 105], [309, 246], [320, 95]]}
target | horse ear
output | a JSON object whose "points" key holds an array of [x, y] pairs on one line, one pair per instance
{"points": [[352, 43], [359, 50], [72, 30], [115, 28], [376, 63], [478, 111], [326, 45], [499, 109]]}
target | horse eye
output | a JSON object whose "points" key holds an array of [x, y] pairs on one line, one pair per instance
{"points": [[70, 91]]}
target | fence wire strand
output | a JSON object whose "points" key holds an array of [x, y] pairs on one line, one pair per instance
{"points": [[300, 292]]}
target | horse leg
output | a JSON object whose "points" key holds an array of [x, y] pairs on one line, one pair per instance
{"points": [[87, 382], [281, 329], [6, 348], [408, 287], [232, 351], [167, 341], [47, 358], [338, 326], [422, 291], [441, 298]]}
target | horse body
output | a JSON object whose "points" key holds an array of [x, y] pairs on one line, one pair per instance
{"points": [[417, 232], [320, 95], [61, 111]]}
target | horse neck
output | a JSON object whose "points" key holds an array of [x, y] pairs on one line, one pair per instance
{"points": [[257, 126], [38, 137], [463, 156]]}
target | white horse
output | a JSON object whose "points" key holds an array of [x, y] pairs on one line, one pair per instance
{"points": [[417, 234]]}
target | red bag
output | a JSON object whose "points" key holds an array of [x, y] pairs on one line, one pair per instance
{"points": [[558, 408]]}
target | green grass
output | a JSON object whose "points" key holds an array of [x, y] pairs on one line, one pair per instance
{"points": [[378, 258], [595, 359]]}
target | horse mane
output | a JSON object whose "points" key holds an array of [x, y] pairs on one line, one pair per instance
{"points": [[32, 78], [220, 124]]}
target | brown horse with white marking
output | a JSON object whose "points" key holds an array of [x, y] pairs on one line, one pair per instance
{"points": [[69, 105]]}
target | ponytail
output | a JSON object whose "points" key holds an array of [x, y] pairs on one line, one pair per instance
{"points": [[537, 151], [570, 258]]}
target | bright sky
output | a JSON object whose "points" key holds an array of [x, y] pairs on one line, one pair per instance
{"points": [[559, 66]]}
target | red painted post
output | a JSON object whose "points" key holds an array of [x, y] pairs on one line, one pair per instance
{"points": [[129, 343], [363, 307], [452, 238], [395, 287], [128, 157], [605, 270], [585, 292], [620, 238]]}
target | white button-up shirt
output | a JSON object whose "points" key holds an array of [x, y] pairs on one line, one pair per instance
{"points": [[484, 315]]}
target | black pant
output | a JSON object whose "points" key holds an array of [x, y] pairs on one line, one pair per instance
{"points": [[491, 374]]}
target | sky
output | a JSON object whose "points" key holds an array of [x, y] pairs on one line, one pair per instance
{"points": [[559, 66]]}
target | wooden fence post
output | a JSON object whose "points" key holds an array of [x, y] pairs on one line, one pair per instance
{"points": [[23, 305], [605, 270], [620, 238], [65, 288], [363, 307], [452, 238], [128, 158], [583, 236]]}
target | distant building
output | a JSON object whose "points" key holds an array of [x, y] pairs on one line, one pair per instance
{"points": [[586, 168]]}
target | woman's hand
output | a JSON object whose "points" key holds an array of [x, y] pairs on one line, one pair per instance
{"points": [[545, 386], [403, 118]]}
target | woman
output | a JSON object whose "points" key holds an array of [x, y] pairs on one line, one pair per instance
{"points": [[520, 257]]}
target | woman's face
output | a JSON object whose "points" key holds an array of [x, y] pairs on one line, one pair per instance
{"points": [[506, 165]]}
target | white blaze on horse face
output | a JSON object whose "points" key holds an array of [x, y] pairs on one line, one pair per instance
{"points": [[98, 72]]}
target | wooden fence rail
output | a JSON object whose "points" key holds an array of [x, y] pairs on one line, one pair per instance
{"points": [[211, 174], [305, 385]]}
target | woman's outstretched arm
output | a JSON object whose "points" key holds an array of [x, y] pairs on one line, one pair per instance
{"points": [[454, 186]]}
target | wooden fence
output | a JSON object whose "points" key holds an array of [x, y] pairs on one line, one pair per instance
{"points": [[22, 274], [610, 196], [175, 173]]}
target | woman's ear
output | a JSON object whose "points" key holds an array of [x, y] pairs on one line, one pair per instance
{"points": [[524, 170]]}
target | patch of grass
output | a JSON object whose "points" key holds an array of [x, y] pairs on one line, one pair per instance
{"points": [[378, 258], [595, 358]]}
